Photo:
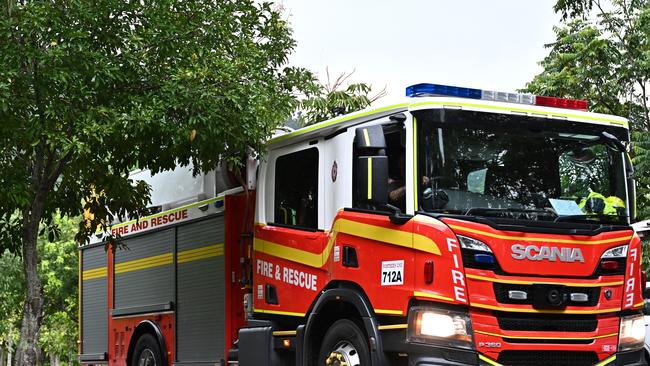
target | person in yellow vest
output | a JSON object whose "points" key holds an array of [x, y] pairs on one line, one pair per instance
{"points": [[599, 204]]}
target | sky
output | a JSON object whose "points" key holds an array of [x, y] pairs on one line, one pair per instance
{"points": [[480, 44]]}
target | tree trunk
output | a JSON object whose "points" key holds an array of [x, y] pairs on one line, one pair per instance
{"points": [[27, 353], [2, 356], [54, 360]]}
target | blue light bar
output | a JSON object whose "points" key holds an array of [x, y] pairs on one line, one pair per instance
{"points": [[422, 90]]}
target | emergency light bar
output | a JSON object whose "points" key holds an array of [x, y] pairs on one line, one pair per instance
{"points": [[427, 90]]}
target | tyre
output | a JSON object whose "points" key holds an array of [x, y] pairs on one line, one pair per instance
{"points": [[344, 344], [146, 352]]}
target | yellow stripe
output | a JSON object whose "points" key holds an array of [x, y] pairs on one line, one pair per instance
{"points": [[558, 338], [520, 110], [517, 310], [518, 282], [431, 296], [545, 240], [415, 164], [372, 232], [396, 237], [341, 119], [200, 253], [389, 312], [278, 312], [369, 178], [144, 263], [316, 260], [493, 363], [92, 274], [639, 304], [366, 137], [606, 361], [392, 327], [283, 333]]}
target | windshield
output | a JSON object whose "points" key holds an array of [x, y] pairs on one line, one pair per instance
{"points": [[487, 164]]}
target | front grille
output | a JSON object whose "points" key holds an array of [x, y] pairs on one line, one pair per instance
{"points": [[546, 358], [547, 322], [501, 292], [548, 341]]}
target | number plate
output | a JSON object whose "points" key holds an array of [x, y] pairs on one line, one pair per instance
{"points": [[392, 273]]}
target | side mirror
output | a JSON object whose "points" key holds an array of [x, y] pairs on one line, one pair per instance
{"points": [[372, 180], [646, 307], [646, 293]]}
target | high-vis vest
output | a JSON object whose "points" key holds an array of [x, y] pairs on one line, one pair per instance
{"points": [[597, 203]]}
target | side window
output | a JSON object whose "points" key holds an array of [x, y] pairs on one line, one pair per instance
{"points": [[296, 189], [395, 152]]}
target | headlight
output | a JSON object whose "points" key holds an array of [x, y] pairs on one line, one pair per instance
{"points": [[445, 327], [632, 333], [616, 252], [473, 244], [613, 261]]}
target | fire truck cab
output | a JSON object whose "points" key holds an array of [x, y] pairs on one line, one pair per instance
{"points": [[461, 227]]}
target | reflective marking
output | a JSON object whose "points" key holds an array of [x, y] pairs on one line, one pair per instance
{"points": [[493, 363], [519, 282], [144, 263], [415, 164], [200, 253], [431, 296], [282, 333], [184, 256], [146, 218], [288, 313], [389, 312], [558, 338], [545, 240], [369, 178], [335, 121], [344, 226], [392, 327], [366, 137], [92, 274], [606, 361]]}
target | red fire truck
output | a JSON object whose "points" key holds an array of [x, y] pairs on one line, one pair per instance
{"points": [[461, 227]]}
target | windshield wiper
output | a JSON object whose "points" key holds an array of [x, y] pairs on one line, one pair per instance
{"points": [[590, 217], [497, 211]]}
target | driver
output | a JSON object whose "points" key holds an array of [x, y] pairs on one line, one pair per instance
{"points": [[397, 185]]}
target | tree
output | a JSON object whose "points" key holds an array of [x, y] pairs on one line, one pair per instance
{"points": [[602, 54], [89, 89], [331, 99]]}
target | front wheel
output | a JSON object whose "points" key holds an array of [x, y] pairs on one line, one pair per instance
{"points": [[344, 344], [146, 352]]}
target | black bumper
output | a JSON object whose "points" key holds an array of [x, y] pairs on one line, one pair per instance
{"points": [[431, 355]]}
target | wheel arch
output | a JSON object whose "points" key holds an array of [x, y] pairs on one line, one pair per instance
{"points": [[147, 327], [342, 299]]}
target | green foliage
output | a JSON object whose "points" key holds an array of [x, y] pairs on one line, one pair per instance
{"points": [[12, 290], [332, 99], [89, 89], [59, 271]]}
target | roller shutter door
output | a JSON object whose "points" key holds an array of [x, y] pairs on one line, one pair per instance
{"points": [[200, 316], [94, 297]]}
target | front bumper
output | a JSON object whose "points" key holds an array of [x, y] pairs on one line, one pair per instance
{"points": [[418, 354]]}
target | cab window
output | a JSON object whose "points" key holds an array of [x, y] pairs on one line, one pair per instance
{"points": [[296, 189]]}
